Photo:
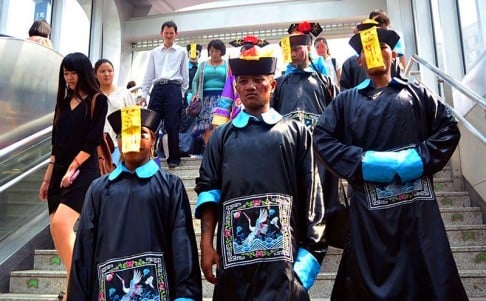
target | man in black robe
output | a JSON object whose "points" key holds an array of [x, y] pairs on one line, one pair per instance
{"points": [[258, 185], [388, 137], [303, 94], [353, 73], [135, 239]]}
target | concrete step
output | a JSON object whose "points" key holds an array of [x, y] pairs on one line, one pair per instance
{"points": [[466, 235], [37, 282], [185, 162], [445, 199], [459, 235], [47, 282], [467, 258], [446, 184], [474, 282]]}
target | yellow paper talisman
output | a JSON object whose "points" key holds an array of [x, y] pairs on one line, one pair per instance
{"points": [[371, 48], [286, 50], [192, 51], [131, 130]]}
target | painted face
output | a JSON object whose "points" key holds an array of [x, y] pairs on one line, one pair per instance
{"points": [[104, 74], [388, 55], [147, 140], [71, 78], [255, 90], [168, 34], [321, 48]]}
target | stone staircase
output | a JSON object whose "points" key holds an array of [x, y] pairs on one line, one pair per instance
{"points": [[464, 225]]}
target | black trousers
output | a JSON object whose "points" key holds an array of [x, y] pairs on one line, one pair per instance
{"points": [[166, 99]]}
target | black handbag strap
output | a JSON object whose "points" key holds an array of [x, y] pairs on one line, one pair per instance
{"points": [[93, 100]]}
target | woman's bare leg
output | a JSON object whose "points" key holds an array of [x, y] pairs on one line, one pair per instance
{"points": [[62, 223]]}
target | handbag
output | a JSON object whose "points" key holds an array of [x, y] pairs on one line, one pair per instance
{"points": [[105, 149], [338, 223], [195, 107]]}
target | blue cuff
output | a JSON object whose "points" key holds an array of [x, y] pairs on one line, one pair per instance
{"points": [[410, 165], [379, 167], [306, 267], [184, 299], [211, 196], [189, 97]]}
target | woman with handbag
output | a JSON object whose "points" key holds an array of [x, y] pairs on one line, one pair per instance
{"points": [[118, 98], [207, 86], [73, 164]]}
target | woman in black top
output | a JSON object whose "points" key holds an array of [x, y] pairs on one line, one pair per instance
{"points": [[73, 163]]}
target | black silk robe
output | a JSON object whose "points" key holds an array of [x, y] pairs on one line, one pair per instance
{"points": [[399, 249], [135, 240], [266, 176], [302, 95]]}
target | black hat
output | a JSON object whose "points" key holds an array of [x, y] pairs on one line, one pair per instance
{"points": [[252, 61], [249, 40], [367, 24], [149, 119], [300, 33], [260, 66], [198, 47], [387, 36]]}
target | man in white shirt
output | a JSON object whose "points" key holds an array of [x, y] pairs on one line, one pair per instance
{"points": [[168, 76]]}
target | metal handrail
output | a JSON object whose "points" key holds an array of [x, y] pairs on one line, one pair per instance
{"points": [[448, 79], [7, 151], [457, 85], [23, 175]]}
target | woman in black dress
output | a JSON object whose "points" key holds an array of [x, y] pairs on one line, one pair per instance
{"points": [[73, 163]]}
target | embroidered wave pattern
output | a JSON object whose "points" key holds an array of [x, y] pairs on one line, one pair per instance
{"points": [[139, 277], [309, 119], [256, 229], [392, 195]]}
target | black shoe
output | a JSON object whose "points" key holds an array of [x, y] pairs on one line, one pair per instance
{"points": [[173, 165], [184, 154], [60, 297]]}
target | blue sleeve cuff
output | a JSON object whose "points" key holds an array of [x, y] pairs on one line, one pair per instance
{"points": [[184, 299], [189, 97], [211, 196], [410, 165], [379, 167], [306, 267]]}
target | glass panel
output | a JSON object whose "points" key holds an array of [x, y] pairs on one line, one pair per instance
{"points": [[438, 34], [75, 24], [20, 203], [472, 29], [20, 14]]}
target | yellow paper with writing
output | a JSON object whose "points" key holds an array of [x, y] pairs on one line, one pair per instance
{"points": [[286, 50], [131, 129], [371, 48], [192, 51]]}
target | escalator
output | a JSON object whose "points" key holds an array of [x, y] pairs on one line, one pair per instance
{"points": [[29, 75]]}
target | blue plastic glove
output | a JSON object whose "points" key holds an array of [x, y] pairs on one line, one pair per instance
{"points": [[189, 97], [306, 267], [379, 167], [410, 165]]}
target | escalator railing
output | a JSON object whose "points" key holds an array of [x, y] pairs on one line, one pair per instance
{"points": [[29, 76]]}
